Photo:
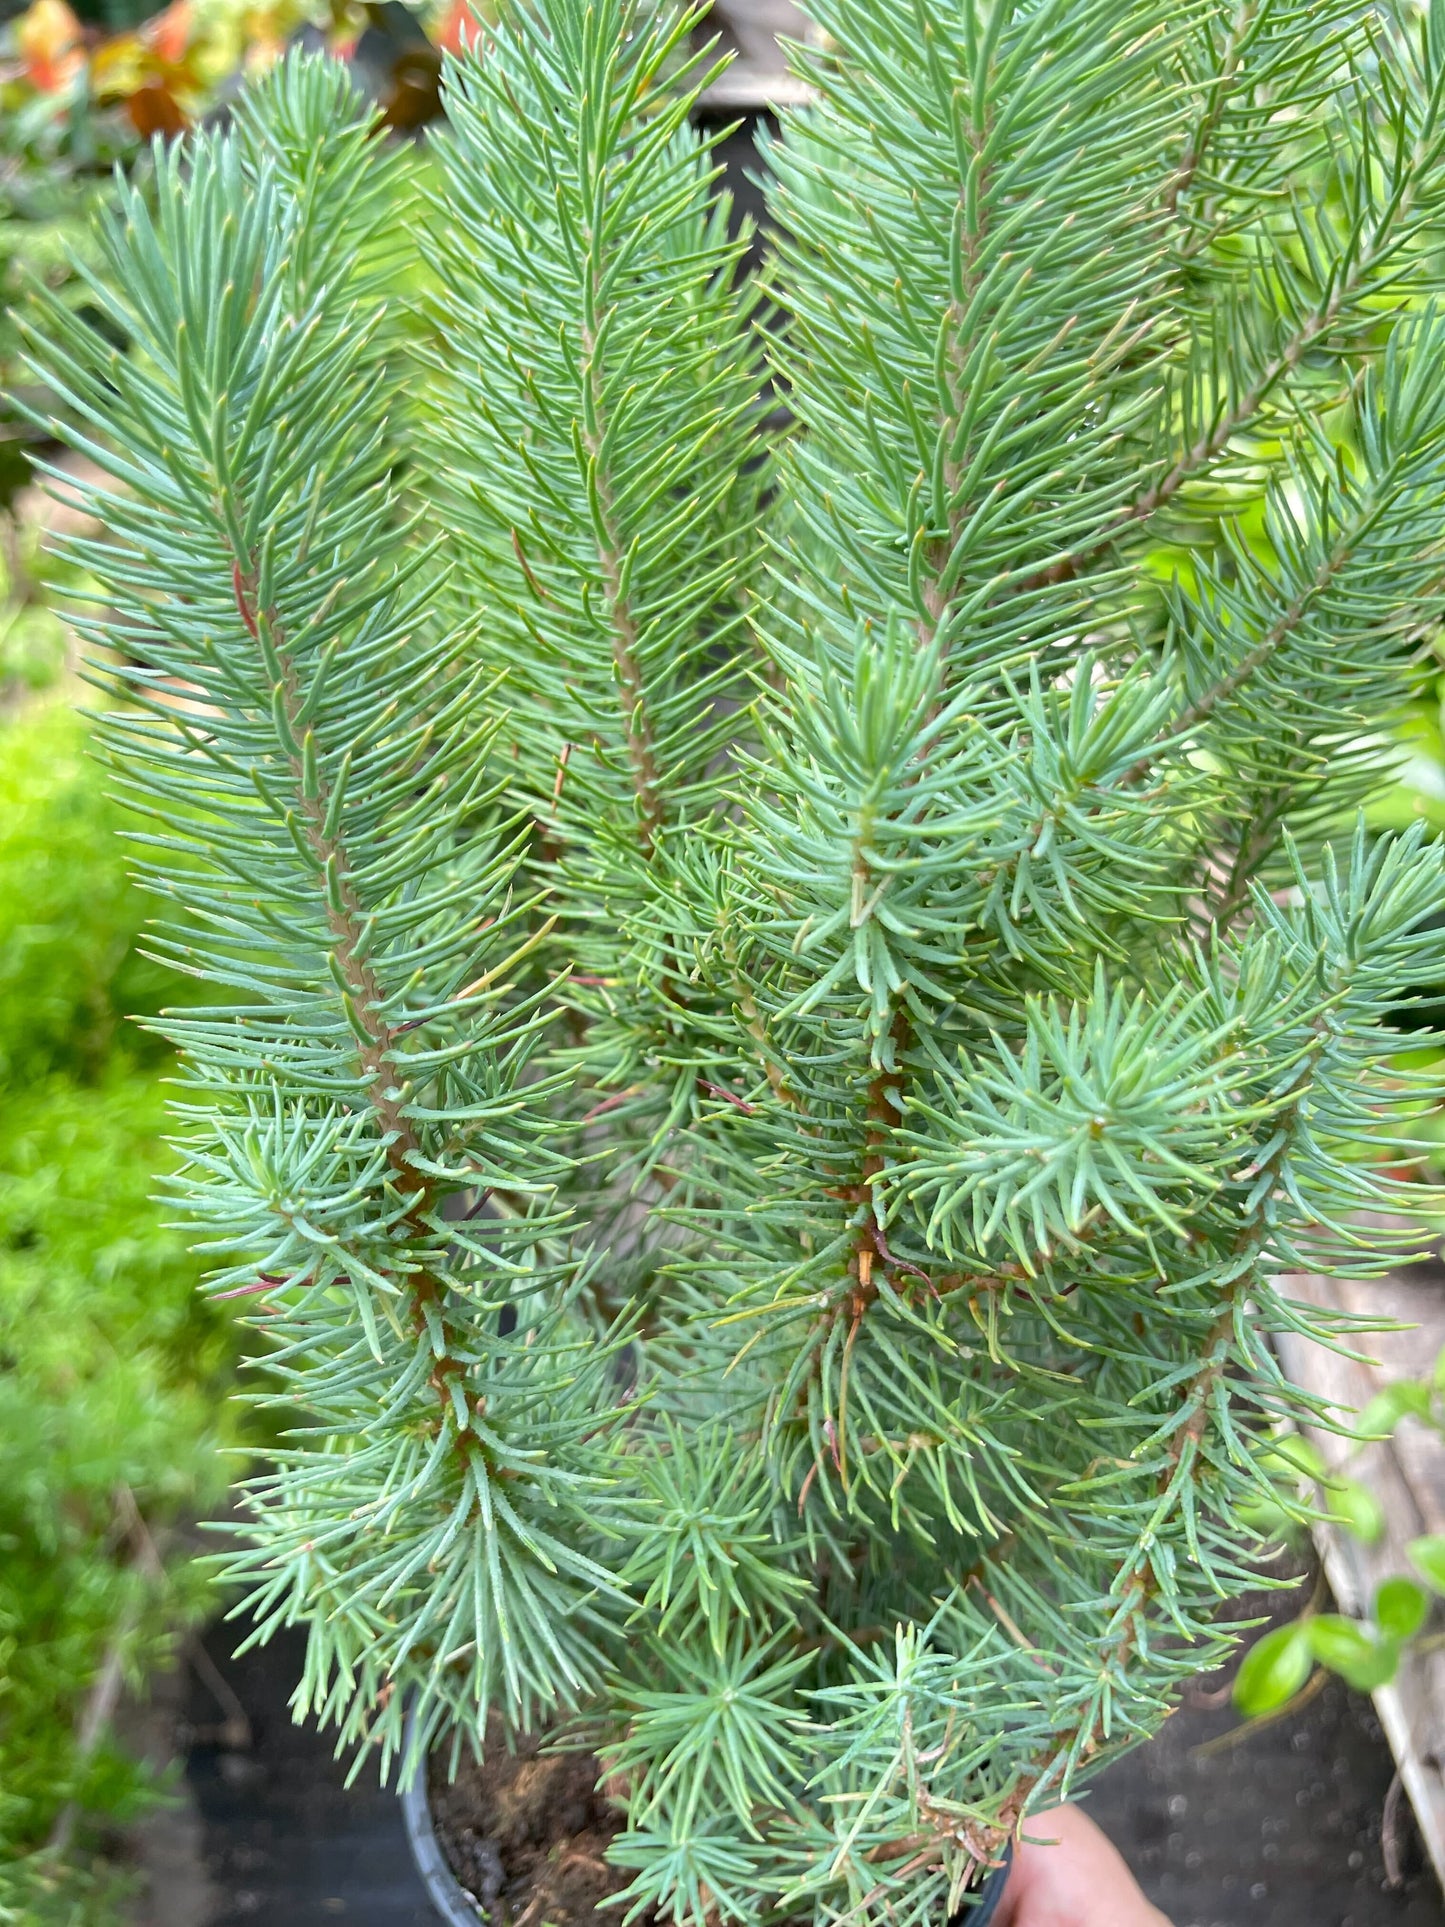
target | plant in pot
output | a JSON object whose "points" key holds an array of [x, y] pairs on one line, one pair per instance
{"points": [[801, 992]]}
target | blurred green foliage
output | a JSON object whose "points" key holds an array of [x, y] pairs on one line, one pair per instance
{"points": [[112, 1369], [1419, 787], [69, 918], [32, 634], [1365, 1653]]}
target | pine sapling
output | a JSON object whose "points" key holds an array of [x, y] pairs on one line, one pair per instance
{"points": [[794, 998]]}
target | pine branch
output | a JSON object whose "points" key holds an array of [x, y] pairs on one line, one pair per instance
{"points": [[315, 764], [1351, 270], [958, 215], [603, 447]]}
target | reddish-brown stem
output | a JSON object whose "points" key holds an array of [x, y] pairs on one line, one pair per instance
{"points": [[1193, 156], [636, 723], [1231, 420], [376, 1042]]}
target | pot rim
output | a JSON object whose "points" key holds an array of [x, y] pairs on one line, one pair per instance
{"points": [[445, 1892]]}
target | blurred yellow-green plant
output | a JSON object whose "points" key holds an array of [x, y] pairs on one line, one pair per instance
{"points": [[1418, 791], [32, 633], [112, 1371]]}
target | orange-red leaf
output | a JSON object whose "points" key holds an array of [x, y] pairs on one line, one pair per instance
{"points": [[52, 44], [153, 110]]}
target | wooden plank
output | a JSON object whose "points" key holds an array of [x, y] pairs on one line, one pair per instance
{"points": [[753, 28], [742, 91], [1406, 1474]]}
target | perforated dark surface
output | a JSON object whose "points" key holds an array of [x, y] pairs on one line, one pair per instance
{"points": [[1281, 1830], [286, 1842]]}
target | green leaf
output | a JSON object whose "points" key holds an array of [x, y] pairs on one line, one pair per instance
{"points": [[1427, 1556], [1356, 1508], [1268, 1519], [1273, 1670], [1293, 1459], [1400, 1608], [1407, 1398], [1347, 1648]]}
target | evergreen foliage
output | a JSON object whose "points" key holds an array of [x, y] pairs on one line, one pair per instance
{"points": [[802, 1002]]}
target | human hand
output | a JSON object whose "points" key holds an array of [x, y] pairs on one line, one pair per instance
{"points": [[1067, 1874]]}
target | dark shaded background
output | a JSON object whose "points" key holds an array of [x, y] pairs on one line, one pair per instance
{"points": [[1280, 1829]]}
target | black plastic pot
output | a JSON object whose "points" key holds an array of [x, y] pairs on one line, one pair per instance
{"points": [[450, 1900], [455, 1905], [991, 1896]]}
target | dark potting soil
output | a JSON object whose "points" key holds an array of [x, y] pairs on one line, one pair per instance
{"points": [[526, 1832], [1280, 1829]]}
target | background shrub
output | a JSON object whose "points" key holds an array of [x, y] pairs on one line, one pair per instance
{"points": [[112, 1371]]}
